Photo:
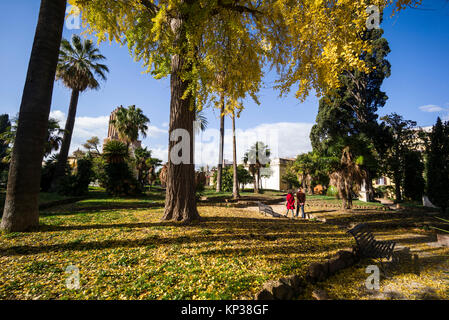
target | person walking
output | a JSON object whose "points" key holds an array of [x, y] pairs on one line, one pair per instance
{"points": [[301, 201], [290, 203]]}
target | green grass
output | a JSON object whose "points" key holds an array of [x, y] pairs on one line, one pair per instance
{"points": [[44, 197], [332, 200], [212, 195], [128, 253], [131, 254]]}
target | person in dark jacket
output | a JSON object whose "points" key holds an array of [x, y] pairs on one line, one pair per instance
{"points": [[301, 202]]}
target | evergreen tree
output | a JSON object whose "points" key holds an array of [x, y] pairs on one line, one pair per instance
{"points": [[438, 165], [413, 175], [5, 127], [348, 117], [403, 138]]}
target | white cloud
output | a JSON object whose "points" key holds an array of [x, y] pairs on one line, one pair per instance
{"points": [[85, 128], [155, 132], [58, 115], [285, 140], [431, 108], [160, 152]]}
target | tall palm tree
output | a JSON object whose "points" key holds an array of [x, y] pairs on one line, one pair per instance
{"points": [[201, 118], [52, 142], [202, 123], [21, 211], [78, 68], [129, 122], [257, 157], [235, 185], [348, 178], [115, 152], [221, 146]]}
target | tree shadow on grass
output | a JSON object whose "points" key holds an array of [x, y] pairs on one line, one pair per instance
{"points": [[236, 223], [274, 248], [99, 207], [380, 220], [230, 231]]}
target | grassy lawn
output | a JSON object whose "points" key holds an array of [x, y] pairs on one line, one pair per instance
{"points": [[319, 199], [130, 254], [424, 278], [44, 197], [124, 251]]}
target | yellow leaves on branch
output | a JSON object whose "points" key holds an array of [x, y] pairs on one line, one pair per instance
{"points": [[228, 44]]}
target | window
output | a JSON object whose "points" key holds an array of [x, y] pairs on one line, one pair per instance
{"points": [[380, 181]]}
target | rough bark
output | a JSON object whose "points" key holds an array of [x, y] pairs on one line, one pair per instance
{"points": [[21, 211], [256, 181], [180, 200], [221, 146], [235, 185], [67, 139], [397, 189], [369, 186]]}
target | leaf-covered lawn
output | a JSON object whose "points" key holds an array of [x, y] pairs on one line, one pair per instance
{"points": [[131, 254], [427, 277], [44, 197], [124, 251]]}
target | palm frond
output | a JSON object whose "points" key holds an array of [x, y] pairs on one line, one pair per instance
{"points": [[77, 64]]}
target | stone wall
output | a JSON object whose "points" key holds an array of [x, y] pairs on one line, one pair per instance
{"points": [[289, 287]]}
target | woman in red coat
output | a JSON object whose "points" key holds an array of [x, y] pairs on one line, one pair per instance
{"points": [[290, 203]]}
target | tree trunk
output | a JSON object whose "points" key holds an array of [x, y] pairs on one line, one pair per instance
{"points": [[256, 181], [221, 147], [21, 211], [180, 200], [369, 186], [67, 139], [235, 186], [397, 188]]}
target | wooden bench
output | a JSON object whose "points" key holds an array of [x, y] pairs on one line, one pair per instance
{"points": [[368, 247], [263, 208]]}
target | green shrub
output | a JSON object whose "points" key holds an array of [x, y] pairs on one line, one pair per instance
{"points": [[386, 192], [48, 171], [77, 184], [227, 178], [120, 180], [99, 171], [332, 191]]}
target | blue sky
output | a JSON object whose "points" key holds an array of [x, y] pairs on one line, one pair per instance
{"points": [[418, 88]]}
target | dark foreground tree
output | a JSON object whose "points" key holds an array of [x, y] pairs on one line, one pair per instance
{"points": [[21, 211], [438, 165]]}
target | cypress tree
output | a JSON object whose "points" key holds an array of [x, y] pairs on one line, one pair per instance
{"points": [[438, 165]]}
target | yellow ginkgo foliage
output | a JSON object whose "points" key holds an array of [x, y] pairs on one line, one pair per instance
{"points": [[308, 42]]}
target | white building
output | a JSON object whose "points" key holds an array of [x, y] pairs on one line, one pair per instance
{"points": [[271, 177], [274, 173]]}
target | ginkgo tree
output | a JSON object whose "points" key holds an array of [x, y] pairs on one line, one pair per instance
{"points": [[308, 42]]}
